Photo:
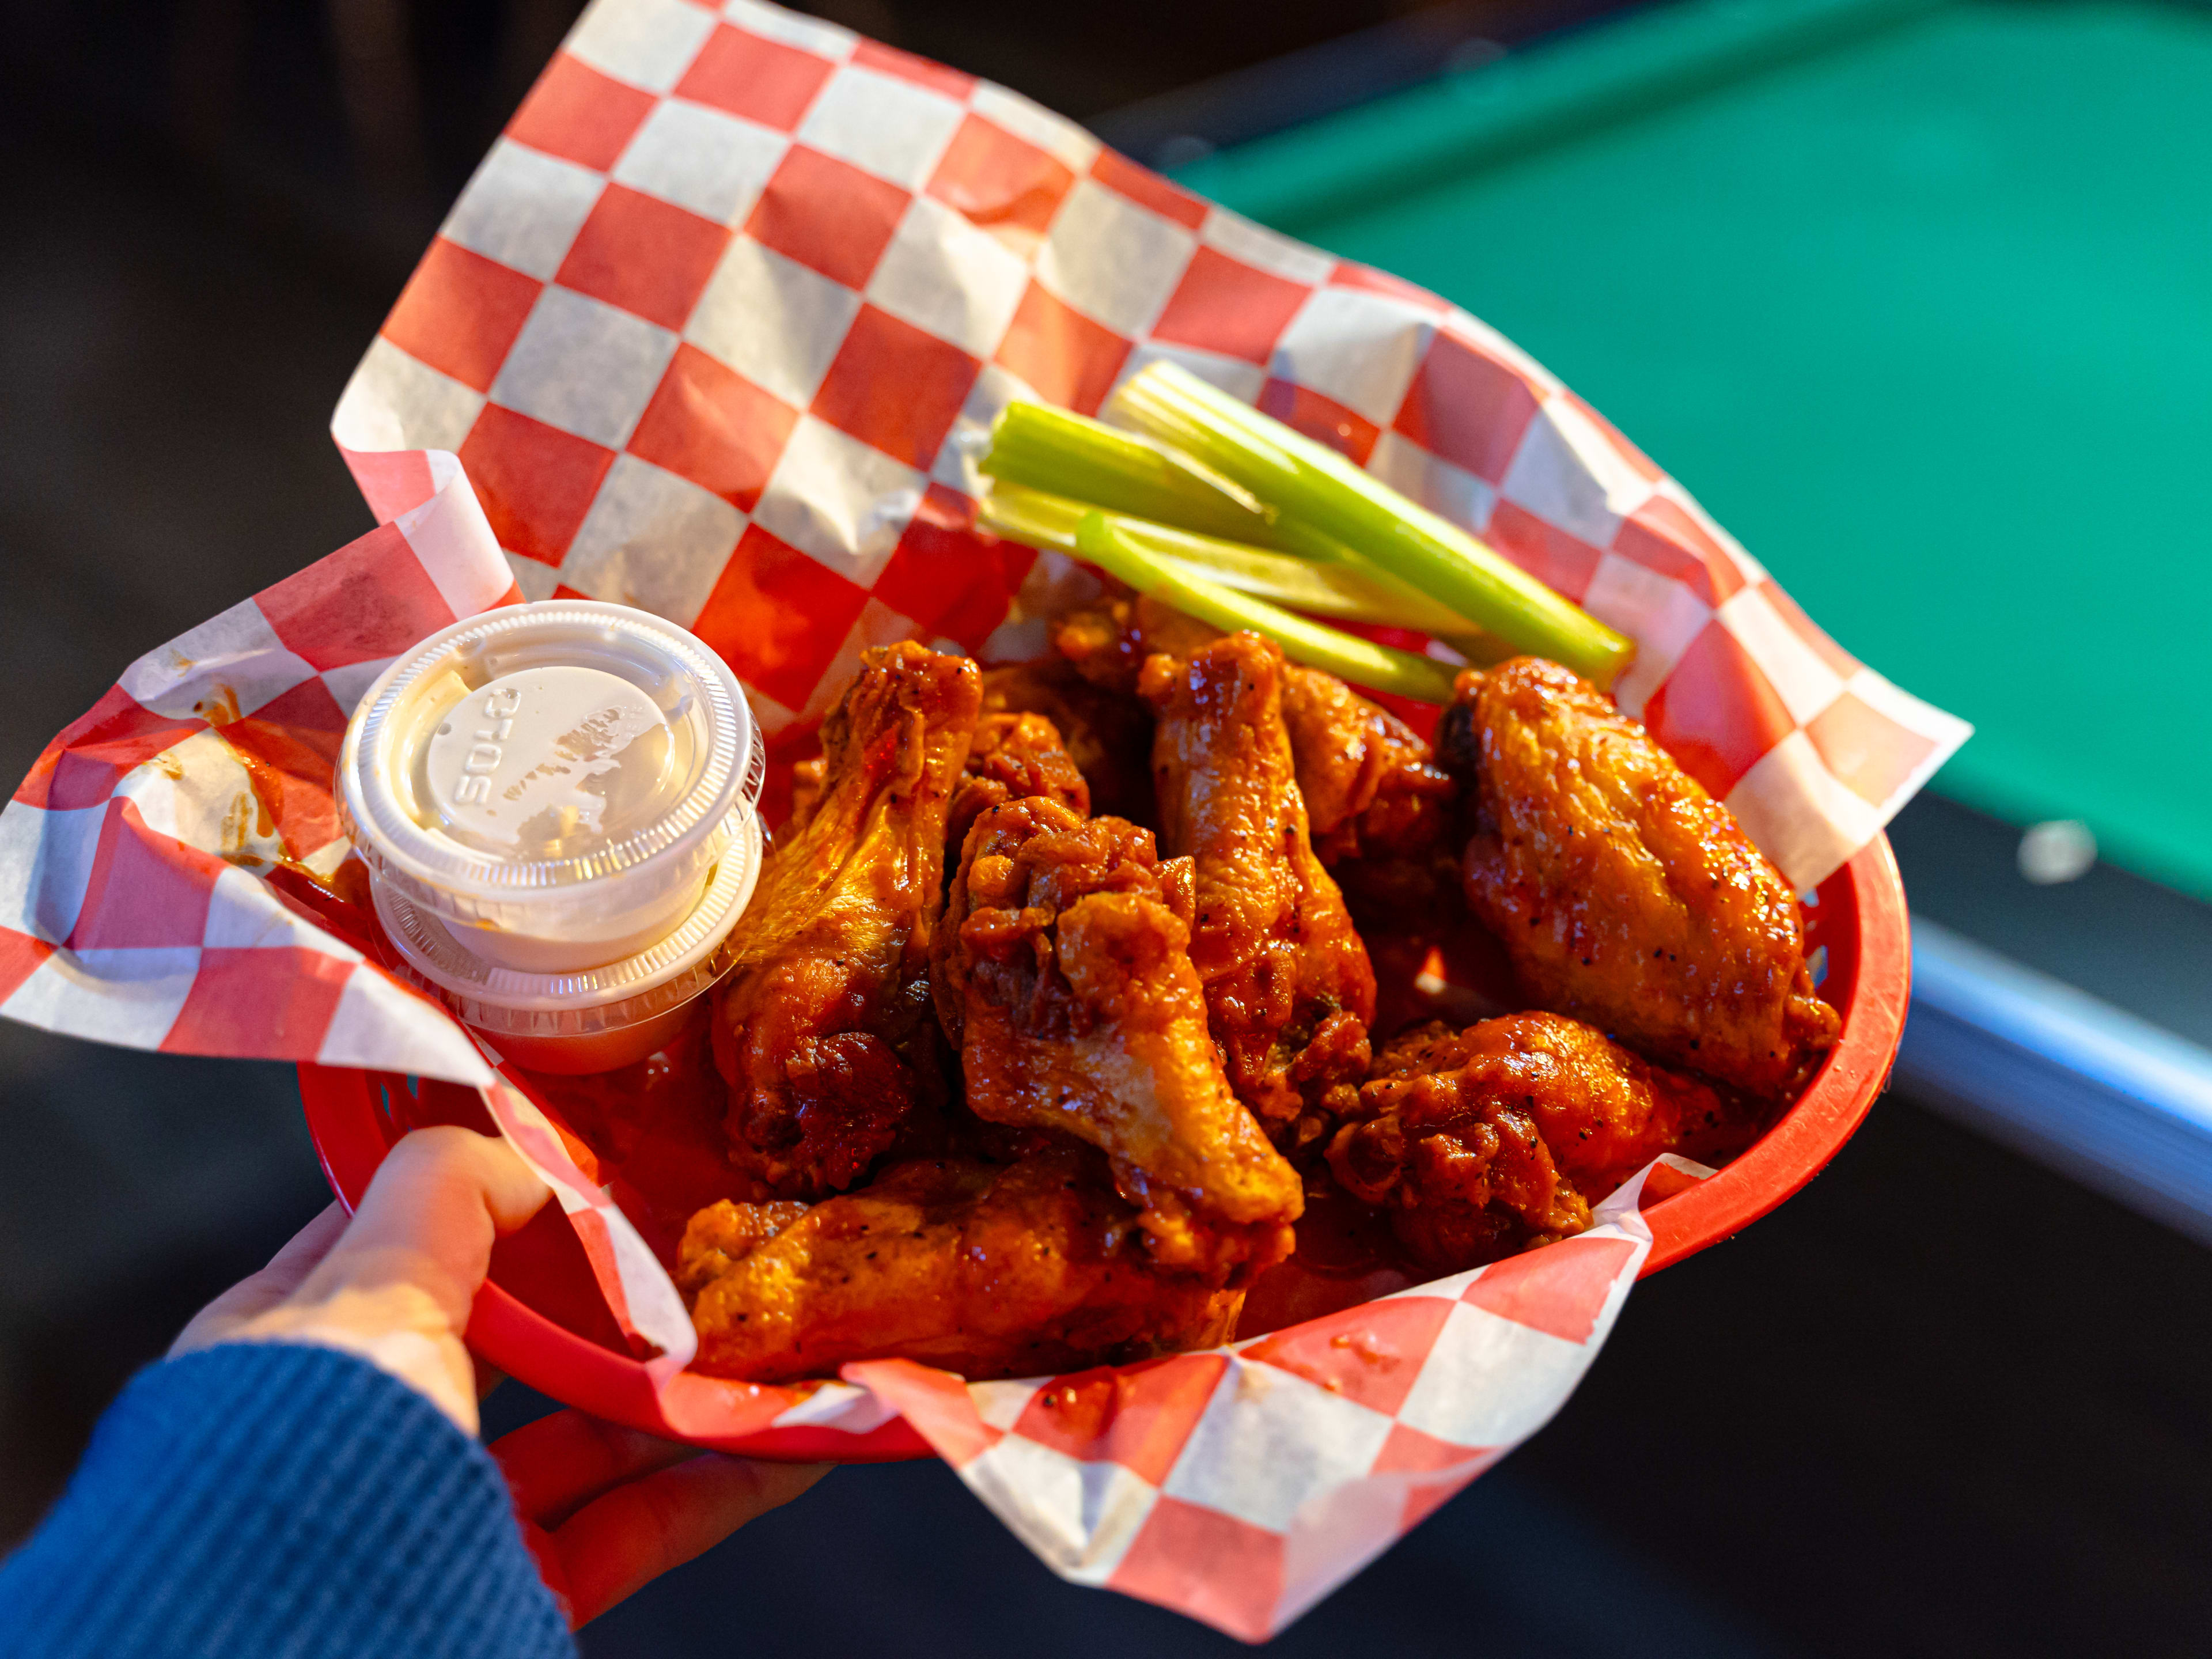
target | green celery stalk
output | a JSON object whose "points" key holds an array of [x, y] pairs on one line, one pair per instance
{"points": [[1063, 453], [1379, 667], [1306, 482], [1339, 590], [1352, 591], [1035, 517]]}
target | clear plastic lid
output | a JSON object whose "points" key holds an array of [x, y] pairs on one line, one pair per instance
{"points": [[514, 1002], [564, 771]]}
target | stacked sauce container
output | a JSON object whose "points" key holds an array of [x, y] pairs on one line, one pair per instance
{"points": [[557, 805]]}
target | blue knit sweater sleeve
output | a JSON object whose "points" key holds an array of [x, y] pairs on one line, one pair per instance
{"points": [[259, 1499]]}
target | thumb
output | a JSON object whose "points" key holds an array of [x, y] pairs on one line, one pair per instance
{"points": [[396, 1286], [429, 1218]]}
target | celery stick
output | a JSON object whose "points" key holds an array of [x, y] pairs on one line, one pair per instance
{"points": [[1352, 591], [1306, 482], [1379, 667], [1322, 589], [1063, 453], [1030, 516]]}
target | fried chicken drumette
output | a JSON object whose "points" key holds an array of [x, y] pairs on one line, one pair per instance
{"points": [[1625, 894], [1481, 1142], [1288, 990], [822, 1029], [986, 1270], [1063, 976], [1371, 784]]}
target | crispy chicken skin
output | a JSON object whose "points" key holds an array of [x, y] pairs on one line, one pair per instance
{"points": [[1013, 756], [807, 777], [1482, 1141], [821, 1030], [1063, 976], [1450, 1148], [1288, 990], [1372, 788], [1106, 642], [1625, 894], [1107, 734], [984, 1270]]}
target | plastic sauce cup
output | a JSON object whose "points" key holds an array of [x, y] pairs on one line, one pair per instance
{"points": [[556, 804]]}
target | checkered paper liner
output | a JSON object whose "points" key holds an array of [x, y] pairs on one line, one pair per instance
{"points": [[164, 868], [715, 330], [1242, 1485]]}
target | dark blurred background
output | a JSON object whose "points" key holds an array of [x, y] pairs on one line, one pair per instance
{"points": [[1946, 1400]]}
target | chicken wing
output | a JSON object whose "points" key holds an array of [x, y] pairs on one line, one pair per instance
{"points": [[1108, 734], [807, 778], [1288, 990], [986, 1271], [1013, 757], [821, 1030], [1108, 643], [1371, 787], [1063, 976], [1483, 1141], [1625, 894]]}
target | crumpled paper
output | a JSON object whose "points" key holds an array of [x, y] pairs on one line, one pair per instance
{"points": [[715, 330]]}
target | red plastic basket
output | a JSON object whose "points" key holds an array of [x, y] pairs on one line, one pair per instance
{"points": [[539, 1317]]}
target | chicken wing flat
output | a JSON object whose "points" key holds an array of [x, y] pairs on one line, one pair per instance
{"points": [[821, 1030], [1625, 894], [1371, 786], [986, 1270], [1013, 757], [1288, 990], [1063, 976], [1487, 1140], [1108, 734]]}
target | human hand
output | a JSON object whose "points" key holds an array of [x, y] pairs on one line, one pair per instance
{"points": [[395, 1284], [605, 1509]]}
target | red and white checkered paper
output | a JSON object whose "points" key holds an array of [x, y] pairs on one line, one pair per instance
{"points": [[1242, 1485], [715, 330], [158, 867]]}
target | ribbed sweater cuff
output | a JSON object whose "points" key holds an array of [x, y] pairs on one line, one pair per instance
{"points": [[259, 1499]]}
